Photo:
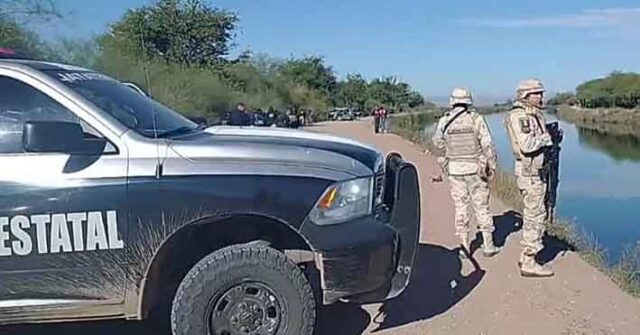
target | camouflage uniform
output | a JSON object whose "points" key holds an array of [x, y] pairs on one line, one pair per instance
{"points": [[525, 125], [469, 162]]}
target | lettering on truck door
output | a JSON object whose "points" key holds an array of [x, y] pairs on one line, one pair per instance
{"points": [[63, 217]]}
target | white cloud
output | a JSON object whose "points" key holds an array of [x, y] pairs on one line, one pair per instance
{"points": [[589, 18]]}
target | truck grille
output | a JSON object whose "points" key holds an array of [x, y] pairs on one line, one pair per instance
{"points": [[378, 188]]}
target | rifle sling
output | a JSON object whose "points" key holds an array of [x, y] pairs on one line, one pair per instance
{"points": [[446, 126]]}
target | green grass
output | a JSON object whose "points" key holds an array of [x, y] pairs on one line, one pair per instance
{"points": [[625, 272]]}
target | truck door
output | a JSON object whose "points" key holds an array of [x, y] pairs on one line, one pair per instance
{"points": [[63, 217]]}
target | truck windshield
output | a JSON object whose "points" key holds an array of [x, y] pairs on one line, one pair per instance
{"points": [[136, 111]]}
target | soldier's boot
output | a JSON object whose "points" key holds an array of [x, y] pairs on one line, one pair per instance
{"points": [[530, 268], [465, 246], [488, 248]]}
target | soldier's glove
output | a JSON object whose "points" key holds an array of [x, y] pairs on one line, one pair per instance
{"points": [[487, 173], [546, 140]]}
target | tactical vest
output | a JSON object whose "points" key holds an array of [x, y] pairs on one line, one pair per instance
{"points": [[461, 139], [512, 136], [526, 166]]}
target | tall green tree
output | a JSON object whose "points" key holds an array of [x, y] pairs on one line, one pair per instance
{"points": [[186, 32], [352, 92], [312, 72], [393, 93], [415, 99]]}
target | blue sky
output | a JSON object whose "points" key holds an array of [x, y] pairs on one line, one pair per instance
{"points": [[486, 45]]}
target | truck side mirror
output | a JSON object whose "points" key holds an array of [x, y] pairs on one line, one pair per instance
{"points": [[59, 137]]}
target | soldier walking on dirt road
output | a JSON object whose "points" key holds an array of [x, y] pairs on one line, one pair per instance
{"points": [[470, 162], [525, 125]]}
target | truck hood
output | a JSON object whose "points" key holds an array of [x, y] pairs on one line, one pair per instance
{"points": [[255, 145], [361, 152]]}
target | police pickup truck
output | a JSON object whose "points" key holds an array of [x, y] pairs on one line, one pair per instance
{"points": [[114, 206]]}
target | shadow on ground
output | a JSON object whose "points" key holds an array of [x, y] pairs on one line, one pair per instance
{"points": [[437, 284], [511, 222], [342, 319], [94, 328], [552, 247], [505, 224]]}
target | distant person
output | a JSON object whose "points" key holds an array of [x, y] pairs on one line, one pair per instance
{"points": [[301, 119], [310, 117], [260, 118], [293, 119], [526, 127], [469, 161], [282, 120], [271, 117], [239, 117], [376, 119], [384, 122]]}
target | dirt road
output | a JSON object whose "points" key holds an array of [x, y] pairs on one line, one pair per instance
{"points": [[448, 296]]}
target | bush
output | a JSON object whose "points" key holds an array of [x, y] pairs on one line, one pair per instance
{"points": [[617, 90]]}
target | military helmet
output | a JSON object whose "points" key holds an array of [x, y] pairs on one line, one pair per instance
{"points": [[460, 96], [529, 86]]}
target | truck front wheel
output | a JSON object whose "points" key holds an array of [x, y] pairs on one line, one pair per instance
{"points": [[244, 289]]}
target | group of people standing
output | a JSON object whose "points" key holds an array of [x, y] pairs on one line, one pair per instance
{"points": [[470, 161], [380, 120], [240, 116]]}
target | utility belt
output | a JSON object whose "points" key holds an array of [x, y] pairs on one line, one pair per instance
{"points": [[528, 168], [464, 167]]}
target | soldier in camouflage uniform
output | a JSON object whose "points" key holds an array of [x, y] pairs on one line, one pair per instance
{"points": [[525, 125], [470, 163]]}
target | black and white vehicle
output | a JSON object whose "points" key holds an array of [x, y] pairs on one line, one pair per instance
{"points": [[114, 206]]}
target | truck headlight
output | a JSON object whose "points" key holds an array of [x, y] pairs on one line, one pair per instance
{"points": [[344, 201]]}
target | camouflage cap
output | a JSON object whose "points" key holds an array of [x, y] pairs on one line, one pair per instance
{"points": [[460, 96]]}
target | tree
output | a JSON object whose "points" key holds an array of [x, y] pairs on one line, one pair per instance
{"points": [[352, 92], [186, 32], [616, 90], [391, 92], [563, 98], [311, 72], [23, 41], [14, 15], [415, 99]]}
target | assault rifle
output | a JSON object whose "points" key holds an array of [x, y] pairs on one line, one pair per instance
{"points": [[551, 168]]}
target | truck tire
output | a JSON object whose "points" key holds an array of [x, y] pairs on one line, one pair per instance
{"points": [[244, 289]]}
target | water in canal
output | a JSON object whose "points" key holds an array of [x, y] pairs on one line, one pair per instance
{"points": [[599, 181]]}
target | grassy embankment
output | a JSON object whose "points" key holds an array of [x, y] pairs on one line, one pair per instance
{"points": [[625, 272], [614, 121]]}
